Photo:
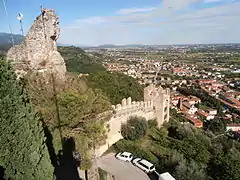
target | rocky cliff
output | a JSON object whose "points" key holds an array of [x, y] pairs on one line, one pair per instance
{"points": [[38, 52]]}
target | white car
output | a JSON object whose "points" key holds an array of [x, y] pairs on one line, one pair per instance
{"points": [[144, 165], [124, 156]]}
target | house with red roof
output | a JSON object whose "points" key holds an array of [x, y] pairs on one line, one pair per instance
{"points": [[197, 123], [205, 115]]}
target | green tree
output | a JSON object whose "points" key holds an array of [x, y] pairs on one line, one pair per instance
{"points": [[217, 126], [194, 147], [116, 86], [191, 142], [189, 171], [23, 153], [135, 128], [226, 166]]}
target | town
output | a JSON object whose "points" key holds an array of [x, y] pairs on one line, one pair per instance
{"points": [[76, 107], [196, 75]]}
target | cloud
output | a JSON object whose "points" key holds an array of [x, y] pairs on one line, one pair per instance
{"points": [[134, 10], [176, 4], [171, 22], [212, 1], [92, 20]]}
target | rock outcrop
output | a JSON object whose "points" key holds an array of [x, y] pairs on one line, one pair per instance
{"points": [[38, 52]]}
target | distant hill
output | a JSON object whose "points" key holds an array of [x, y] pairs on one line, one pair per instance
{"points": [[119, 46], [78, 61], [6, 40], [107, 46]]}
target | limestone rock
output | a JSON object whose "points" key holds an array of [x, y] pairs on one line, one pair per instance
{"points": [[38, 53]]}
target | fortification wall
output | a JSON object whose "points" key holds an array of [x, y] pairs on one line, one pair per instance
{"points": [[161, 102], [155, 105], [122, 112], [127, 107]]}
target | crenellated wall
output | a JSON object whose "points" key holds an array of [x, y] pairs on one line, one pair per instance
{"points": [[127, 107], [121, 113], [154, 106]]}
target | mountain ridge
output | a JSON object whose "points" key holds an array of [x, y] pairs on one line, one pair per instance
{"points": [[5, 38], [6, 42]]}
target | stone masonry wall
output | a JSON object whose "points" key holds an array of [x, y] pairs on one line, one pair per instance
{"points": [[155, 105], [38, 53], [161, 102], [122, 112]]}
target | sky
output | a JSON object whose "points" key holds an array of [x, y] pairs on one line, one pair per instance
{"points": [[152, 22]]}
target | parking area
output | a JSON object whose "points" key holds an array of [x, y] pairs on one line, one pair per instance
{"points": [[120, 169]]}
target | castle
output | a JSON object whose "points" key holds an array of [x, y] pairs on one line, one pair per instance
{"points": [[38, 53], [155, 106]]}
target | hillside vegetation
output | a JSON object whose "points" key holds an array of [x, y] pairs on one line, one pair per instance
{"points": [[77, 110], [78, 61], [186, 152], [73, 111], [116, 86]]}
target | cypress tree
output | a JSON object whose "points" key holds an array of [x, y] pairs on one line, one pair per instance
{"points": [[23, 153]]}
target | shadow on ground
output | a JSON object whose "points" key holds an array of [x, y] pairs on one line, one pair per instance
{"points": [[66, 168], [153, 176], [64, 163], [1, 173]]}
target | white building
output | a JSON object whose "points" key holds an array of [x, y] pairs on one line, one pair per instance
{"points": [[233, 127], [212, 111]]}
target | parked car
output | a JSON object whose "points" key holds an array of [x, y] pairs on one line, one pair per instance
{"points": [[124, 156], [144, 165]]}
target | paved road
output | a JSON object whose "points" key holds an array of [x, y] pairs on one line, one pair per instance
{"points": [[121, 170]]}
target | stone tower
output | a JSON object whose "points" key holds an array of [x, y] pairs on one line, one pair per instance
{"points": [[161, 102], [38, 52]]}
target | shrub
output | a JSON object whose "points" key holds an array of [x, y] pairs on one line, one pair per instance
{"points": [[135, 128], [152, 123]]}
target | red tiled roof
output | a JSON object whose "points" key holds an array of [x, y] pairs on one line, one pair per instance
{"points": [[205, 81], [186, 104], [235, 101], [196, 122], [233, 125], [201, 112]]}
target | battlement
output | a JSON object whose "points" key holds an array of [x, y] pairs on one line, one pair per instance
{"points": [[128, 107], [155, 93], [155, 106]]}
